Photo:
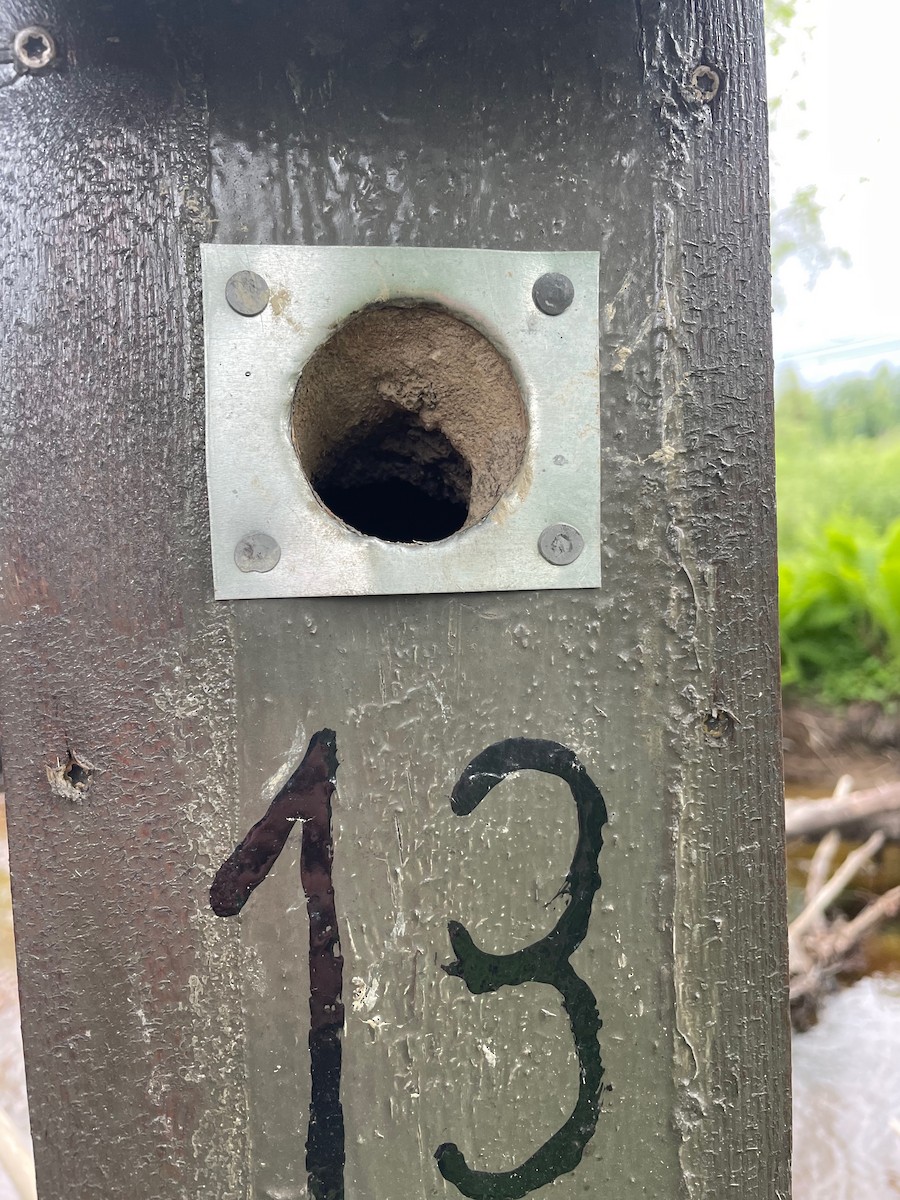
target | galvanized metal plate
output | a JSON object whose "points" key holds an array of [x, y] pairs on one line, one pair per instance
{"points": [[271, 534]]}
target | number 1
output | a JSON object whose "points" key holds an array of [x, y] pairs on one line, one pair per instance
{"points": [[305, 797]]}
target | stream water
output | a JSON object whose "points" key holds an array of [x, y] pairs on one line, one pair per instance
{"points": [[847, 1096], [847, 1067]]}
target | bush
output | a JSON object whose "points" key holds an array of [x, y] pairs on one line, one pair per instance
{"points": [[840, 616], [838, 458]]}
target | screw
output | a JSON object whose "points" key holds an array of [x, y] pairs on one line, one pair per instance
{"points": [[560, 544], [256, 552], [33, 48], [247, 293], [553, 293]]}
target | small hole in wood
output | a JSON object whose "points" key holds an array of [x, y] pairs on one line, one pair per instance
{"points": [[718, 724], [71, 780]]}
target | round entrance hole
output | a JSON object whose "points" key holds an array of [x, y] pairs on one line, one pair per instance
{"points": [[408, 423]]}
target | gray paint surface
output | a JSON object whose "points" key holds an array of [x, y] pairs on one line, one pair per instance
{"points": [[158, 1038]]}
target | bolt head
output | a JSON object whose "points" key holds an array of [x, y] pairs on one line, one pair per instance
{"points": [[247, 293], [553, 293], [560, 544], [257, 552], [34, 48]]}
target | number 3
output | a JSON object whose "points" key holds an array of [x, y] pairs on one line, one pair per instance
{"points": [[544, 961]]}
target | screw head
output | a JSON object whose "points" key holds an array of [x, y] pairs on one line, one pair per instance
{"points": [[706, 82], [257, 552], [553, 293], [247, 293], [34, 48], [560, 544]]}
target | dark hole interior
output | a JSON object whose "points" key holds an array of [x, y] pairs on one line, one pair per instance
{"points": [[399, 481], [35, 46], [77, 775]]}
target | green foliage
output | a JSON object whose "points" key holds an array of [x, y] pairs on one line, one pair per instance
{"points": [[797, 234], [838, 458], [840, 616], [853, 406], [779, 16], [797, 231], [837, 455]]}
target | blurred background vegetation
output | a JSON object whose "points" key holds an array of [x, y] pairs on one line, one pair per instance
{"points": [[835, 175], [838, 472], [838, 440]]}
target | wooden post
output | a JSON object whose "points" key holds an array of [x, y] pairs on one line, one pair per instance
{"points": [[147, 726]]}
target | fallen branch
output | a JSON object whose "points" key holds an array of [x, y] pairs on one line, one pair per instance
{"points": [[855, 815], [820, 866], [832, 888], [884, 908], [821, 948]]}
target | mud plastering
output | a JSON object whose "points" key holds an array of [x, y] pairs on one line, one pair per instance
{"points": [[409, 423]]}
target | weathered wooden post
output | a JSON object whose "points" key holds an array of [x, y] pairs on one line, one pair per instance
{"points": [[411, 1003]]}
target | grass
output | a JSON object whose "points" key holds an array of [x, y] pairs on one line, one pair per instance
{"points": [[838, 462]]}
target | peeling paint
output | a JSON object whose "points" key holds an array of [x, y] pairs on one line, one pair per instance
{"points": [[574, 128]]}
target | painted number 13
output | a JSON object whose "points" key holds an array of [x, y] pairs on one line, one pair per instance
{"points": [[306, 797]]}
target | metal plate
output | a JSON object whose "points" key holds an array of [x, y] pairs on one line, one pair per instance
{"points": [[258, 487]]}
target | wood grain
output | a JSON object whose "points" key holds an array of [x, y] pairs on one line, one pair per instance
{"points": [[151, 1068]]}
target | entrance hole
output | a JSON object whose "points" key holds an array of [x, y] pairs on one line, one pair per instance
{"points": [[409, 424]]}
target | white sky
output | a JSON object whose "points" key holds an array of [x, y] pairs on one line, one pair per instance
{"points": [[846, 72]]}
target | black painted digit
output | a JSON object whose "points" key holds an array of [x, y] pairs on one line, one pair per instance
{"points": [[305, 797], [544, 961]]}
